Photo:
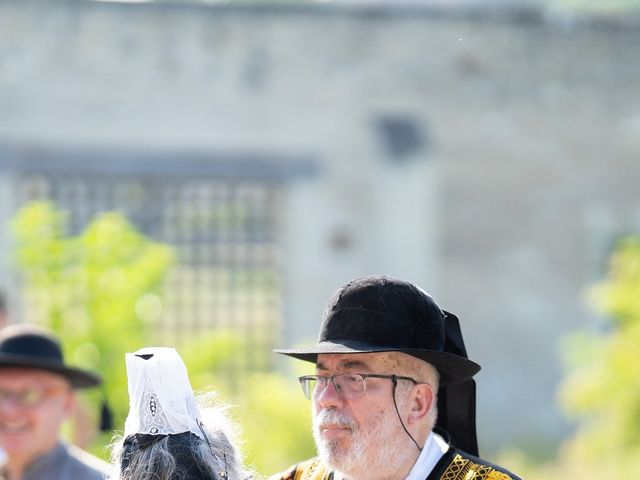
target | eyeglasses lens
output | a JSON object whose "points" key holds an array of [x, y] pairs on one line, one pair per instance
{"points": [[25, 398], [349, 386], [29, 398]]}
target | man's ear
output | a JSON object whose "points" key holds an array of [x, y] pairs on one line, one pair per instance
{"points": [[422, 401]]}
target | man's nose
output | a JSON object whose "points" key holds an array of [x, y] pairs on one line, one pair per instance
{"points": [[329, 396]]}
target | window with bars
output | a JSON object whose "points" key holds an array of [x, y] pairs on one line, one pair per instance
{"points": [[224, 231]]}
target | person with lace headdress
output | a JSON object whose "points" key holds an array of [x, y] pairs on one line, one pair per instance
{"points": [[167, 435]]}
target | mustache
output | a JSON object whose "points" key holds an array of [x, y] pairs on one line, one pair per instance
{"points": [[332, 417]]}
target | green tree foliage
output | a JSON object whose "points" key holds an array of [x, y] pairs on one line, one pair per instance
{"points": [[276, 419], [602, 389], [99, 290]]}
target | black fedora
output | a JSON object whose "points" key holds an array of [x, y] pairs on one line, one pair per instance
{"points": [[31, 346], [383, 314]]}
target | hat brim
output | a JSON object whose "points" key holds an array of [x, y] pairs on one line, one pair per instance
{"points": [[452, 368], [77, 377]]}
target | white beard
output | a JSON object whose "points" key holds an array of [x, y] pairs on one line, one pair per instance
{"points": [[378, 452]]}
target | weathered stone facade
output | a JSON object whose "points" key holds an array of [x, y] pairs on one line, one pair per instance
{"points": [[492, 157]]}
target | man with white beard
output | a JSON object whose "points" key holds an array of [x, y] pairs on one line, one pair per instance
{"points": [[388, 359]]}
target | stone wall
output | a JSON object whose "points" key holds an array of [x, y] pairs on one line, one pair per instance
{"points": [[490, 156]]}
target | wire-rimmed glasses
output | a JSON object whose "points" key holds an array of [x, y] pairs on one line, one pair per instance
{"points": [[348, 385], [30, 397]]}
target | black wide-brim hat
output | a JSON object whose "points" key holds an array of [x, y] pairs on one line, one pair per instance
{"points": [[30, 346], [383, 314]]}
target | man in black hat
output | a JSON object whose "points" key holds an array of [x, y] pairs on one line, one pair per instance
{"points": [[36, 397], [393, 395]]}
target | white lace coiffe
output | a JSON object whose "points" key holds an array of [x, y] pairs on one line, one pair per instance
{"points": [[161, 399]]}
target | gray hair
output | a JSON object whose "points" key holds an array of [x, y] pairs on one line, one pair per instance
{"points": [[423, 372], [159, 461]]}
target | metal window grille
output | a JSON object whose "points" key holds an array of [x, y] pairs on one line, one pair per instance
{"points": [[227, 274]]}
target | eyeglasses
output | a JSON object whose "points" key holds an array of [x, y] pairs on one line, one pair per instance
{"points": [[29, 398], [348, 385]]}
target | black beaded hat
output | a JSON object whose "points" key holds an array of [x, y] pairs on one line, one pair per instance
{"points": [[383, 314], [30, 346]]}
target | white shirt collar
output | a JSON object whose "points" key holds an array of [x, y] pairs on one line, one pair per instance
{"points": [[434, 448]]}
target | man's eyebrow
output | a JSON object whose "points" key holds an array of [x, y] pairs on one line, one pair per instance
{"points": [[354, 364], [320, 366], [346, 365]]}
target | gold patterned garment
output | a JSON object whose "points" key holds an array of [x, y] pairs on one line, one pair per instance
{"points": [[457, 467], [454, 465], [312, 469]]}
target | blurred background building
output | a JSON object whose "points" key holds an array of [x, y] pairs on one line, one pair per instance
{"points": [[487, 151]]}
